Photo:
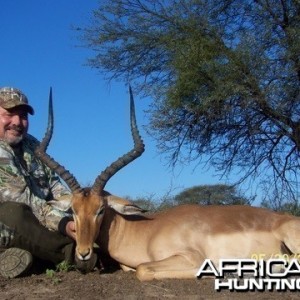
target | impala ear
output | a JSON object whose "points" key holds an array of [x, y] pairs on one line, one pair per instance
{"points": [[128, 209], [123, 206], [133, 210]]}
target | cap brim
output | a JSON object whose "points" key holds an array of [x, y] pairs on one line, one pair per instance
{"points": [[27, 106]]}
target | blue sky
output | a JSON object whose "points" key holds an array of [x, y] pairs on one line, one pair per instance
{"points": [[38, 50]]}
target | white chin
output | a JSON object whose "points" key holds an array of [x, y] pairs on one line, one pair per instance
{"points": [[14, 140]]}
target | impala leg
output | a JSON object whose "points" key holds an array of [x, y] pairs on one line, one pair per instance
{"points": [[126, 268], [177, 266]]}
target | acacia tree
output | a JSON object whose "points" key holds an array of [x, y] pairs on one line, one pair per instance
{"points": [[224, 76], [217, 194]]}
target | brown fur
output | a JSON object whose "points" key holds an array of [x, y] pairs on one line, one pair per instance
{"points": [[174, 243]]}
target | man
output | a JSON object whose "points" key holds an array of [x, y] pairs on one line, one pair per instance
{"points": [[28, 225]]}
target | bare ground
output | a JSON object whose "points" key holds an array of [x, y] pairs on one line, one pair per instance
{"points": [[119, 285]]}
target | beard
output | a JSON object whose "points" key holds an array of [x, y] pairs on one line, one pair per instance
{"points": [[14, 135], [14, 141]]}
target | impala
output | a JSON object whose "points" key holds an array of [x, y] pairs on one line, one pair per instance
{"points": [[173, 243]]}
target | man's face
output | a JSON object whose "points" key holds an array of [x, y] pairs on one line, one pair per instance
{"points": [[13, 124]]}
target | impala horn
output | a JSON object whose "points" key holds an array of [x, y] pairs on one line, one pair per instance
{"points": [[40, 152], [124, 160]]}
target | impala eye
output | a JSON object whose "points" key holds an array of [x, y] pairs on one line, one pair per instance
{"points": [[100, 211]]}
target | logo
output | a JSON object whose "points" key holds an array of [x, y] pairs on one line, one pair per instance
{"points": [[253, 275]]}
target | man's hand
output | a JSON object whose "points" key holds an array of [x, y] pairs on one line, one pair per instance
{"points": [[70, 230]]}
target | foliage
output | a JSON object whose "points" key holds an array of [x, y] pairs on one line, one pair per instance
{"points": [[276, 201], [61, 267], [51, 274], [145, 203], [219, 194], [292, 208], [224, 74], [151, 204], [64, 266]]}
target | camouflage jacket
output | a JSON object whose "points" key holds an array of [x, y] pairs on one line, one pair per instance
{"points": [[28, 180]]}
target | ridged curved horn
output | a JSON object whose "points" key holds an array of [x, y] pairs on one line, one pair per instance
{"points": [[124, 160], [40, 152]]}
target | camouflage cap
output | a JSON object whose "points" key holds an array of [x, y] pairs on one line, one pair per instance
{"points": [[11, 97]]}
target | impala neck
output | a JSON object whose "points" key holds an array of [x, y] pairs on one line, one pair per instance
{"points": [[111, 230]]}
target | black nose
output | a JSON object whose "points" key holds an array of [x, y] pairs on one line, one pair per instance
{"points": [[85, 254]]}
